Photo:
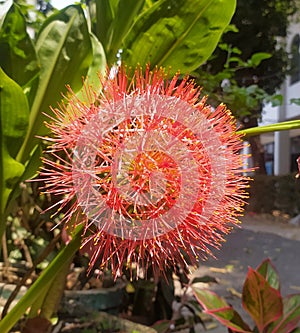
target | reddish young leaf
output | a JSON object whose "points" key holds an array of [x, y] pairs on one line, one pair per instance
{"points": [[268, 271], [291, 315], [260, 300], [218, 308], [162, 326], [208, 299]]}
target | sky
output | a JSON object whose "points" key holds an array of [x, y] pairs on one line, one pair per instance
{"points": [[59, 4]]}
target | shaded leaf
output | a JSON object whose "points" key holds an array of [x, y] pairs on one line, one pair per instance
{"points": [[218, 308], [30, 170], [17, 57], [204, 279], [181, 34], [268, 271], [291, 315], [65, 52], [260, 300], [162, 326], [14, 115], [123, 20], [105, 12], [257, 58]]}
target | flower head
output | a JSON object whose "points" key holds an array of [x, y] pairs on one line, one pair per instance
{"points": [[153, 172]]}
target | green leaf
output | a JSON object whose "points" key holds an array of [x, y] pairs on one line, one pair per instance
{"points": [[291, 315], [275, 100], [162, 326], [260, 300], [295, 101], [123, 20], [30, 170], [14, 113], [98, 67], [17, 57], [257, 58], [65, 52], [105, 12], [218, 308], [268, 271], [181, 34]]}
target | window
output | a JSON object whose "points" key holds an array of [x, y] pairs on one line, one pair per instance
{"points": [[269, 158], [295, 61]]}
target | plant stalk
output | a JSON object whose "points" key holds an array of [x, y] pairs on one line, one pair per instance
{"points": [[42, 283]]}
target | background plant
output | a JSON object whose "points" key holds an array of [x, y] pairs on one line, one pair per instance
{"points": [[262, 300], [259, 27]]}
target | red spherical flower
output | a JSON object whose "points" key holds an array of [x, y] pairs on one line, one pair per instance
{"points": [[153, 172]]}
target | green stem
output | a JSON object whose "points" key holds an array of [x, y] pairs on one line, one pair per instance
{"points": [[39, 286], [283, 126], [2, 228], [55, 292]]}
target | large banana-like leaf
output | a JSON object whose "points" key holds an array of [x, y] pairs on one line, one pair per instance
{"points": [[98, 67], [123, 20], [105, 12], [181, 34], [65, 54], [17, 56], [14, 114]]}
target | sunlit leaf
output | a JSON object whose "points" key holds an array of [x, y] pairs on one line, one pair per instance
{"points": [[65, 53], [181, 34], [17, 57], [98, 67]]}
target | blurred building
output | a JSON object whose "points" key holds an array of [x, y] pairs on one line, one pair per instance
{"points": [[283, 148]]}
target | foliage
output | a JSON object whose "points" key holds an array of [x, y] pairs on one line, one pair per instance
{"points": [[259, 31], [177, 34], [262, 300], [222, 87]]}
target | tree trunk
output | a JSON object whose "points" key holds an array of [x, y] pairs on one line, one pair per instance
{"points": [[258, 154], [257, 149]]}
